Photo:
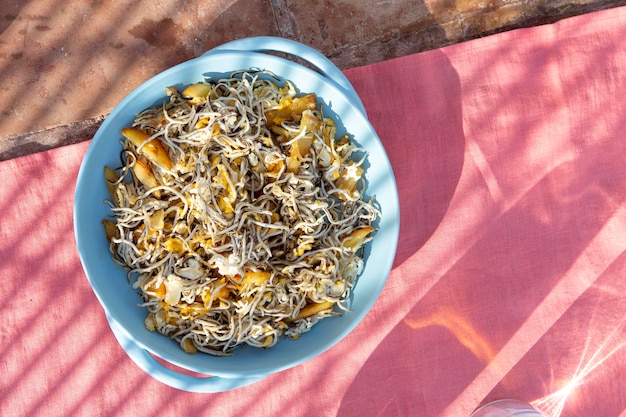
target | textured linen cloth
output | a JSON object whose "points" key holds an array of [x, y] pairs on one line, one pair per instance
{"points": [[510, 159]]}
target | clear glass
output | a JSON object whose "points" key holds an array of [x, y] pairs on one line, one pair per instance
{"points": [[507, 408]]}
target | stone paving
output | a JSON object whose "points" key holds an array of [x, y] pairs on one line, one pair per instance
{"points": [[65, 65]]}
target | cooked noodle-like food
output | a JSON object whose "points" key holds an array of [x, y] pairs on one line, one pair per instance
{"points": [[238, 213]]}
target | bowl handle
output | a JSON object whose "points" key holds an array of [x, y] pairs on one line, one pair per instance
{"points": [[316, 59], [147, 363]]}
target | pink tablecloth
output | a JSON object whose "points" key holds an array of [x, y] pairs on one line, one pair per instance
{"points": [[510, 157]]}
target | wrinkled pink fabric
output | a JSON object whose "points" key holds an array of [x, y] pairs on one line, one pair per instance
{"points": [[510, 158]]}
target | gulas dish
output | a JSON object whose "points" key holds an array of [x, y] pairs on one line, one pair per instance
{"points": [[121, 302]]}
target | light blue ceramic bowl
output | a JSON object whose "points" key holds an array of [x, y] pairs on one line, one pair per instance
{"points": [[108, 279]]}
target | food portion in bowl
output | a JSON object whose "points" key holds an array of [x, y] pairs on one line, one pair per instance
{"points": [[239, 213]]}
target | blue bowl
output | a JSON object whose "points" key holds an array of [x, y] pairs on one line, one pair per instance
{"points": [[109, 280]]}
